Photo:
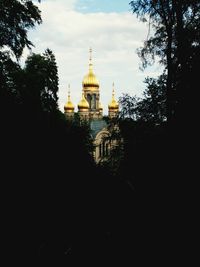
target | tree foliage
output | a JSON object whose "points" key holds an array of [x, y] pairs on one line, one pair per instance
{"points": [[151, 107], [128, 106], [41, 82], [176, 42], [9, 70], [16, 18]]}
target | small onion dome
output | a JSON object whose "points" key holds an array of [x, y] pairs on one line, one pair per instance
{"points": [[114, 105], [83, 104], [90, 80], [69, 107]]}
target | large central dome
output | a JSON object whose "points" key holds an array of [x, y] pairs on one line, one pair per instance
{"points": [[90, 80]]}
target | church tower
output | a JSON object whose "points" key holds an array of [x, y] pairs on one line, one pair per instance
{"points": [[91, 110], [113, 107], [69, 107], [91, 92], [90, 107], [83, 108]]}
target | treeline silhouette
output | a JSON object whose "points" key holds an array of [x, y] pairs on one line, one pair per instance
{"points": [[58, 202], [59, 206]]}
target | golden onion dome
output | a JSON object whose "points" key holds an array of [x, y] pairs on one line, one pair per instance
{"points": [[90, 80], [113, 104], [83, 104], [69, 107]]}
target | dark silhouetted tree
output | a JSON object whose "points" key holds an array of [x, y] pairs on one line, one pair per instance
{"points": [[128, 106], [41, 82], [16, 18], [151, 107], [176, 42], [9, 73]]}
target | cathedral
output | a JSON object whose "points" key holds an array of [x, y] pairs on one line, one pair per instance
{"points": [[90, 109]]}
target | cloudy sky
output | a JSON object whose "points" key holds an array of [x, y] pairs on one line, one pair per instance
{"points": [[71, 27]]}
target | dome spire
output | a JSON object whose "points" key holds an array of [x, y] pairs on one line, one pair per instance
{"points": [[113, 91], [69, 107], [90, 51], [69, 98], [90, 81], [90, 60]]}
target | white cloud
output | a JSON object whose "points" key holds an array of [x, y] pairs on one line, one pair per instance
{"points": [[114, 38]]}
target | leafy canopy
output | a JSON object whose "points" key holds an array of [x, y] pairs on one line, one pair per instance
{"points": [[16, 18]]}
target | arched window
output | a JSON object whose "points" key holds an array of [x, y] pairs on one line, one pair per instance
{"points": [[107, 149], [89, 99], [104, 149], [93, 103]]}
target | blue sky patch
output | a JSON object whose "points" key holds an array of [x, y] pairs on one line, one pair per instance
{"points": [[106, 6]]}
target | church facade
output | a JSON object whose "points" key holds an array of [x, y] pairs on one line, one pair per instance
{"points": [[90, 109]]}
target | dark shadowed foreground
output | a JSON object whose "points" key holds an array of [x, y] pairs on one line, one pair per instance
{"points": [[60, 208]]}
